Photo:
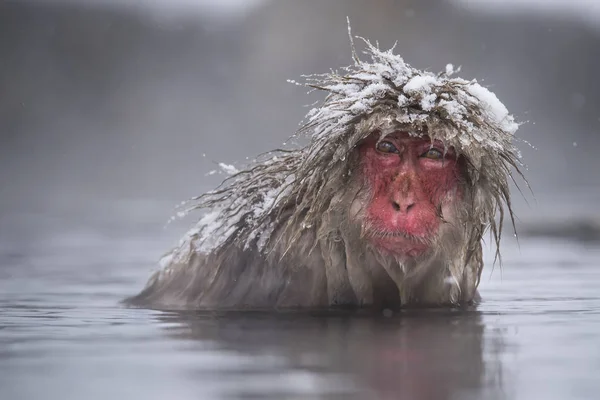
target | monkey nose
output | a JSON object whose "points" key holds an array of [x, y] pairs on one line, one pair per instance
{"points": [[403, 205]]}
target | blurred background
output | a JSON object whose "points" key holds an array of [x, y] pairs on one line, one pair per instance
{"points": [[114, 107]]}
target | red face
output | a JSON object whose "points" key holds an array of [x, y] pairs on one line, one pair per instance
{"points": [[413, 180]]}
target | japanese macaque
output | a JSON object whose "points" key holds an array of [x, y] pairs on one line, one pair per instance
{"points": [[385, 207]]}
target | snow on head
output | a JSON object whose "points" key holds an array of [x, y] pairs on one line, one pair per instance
{"points": [[420, 84], [495, 109], [458, 111]]}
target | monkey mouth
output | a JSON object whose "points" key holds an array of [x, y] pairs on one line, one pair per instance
{"points": [[398, 242]]}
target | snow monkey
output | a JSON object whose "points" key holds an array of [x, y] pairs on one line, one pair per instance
{"points": [[385, 207]]}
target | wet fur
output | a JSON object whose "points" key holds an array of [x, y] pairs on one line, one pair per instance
{"points": [[315, 251], [330, 264]]}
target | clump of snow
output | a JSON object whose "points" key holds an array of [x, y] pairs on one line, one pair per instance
{"points": [[166, 260], [228, 169], [428, 101], [494, 107], [420, 84]]}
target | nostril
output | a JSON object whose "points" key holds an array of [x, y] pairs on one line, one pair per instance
{"points": [[402, 207]]}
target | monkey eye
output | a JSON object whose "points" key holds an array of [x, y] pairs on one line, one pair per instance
{"points": [[386, 147], [433, 154]]}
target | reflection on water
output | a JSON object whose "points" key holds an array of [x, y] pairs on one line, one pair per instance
{"points": [[421, 355], [63, 334]]}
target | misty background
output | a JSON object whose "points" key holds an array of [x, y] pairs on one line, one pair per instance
{"points": [[114, 108], [114, 111]]}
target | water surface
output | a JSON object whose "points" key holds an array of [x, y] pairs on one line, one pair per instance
{"points": [[64, 335]]}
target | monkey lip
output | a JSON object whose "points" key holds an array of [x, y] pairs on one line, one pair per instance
{"points": [[399, 242]]}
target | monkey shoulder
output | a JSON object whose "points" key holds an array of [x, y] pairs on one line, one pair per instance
{"points": [[235, 276]]}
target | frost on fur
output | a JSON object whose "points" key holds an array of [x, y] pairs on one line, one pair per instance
{"points": [[385, 93]]}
